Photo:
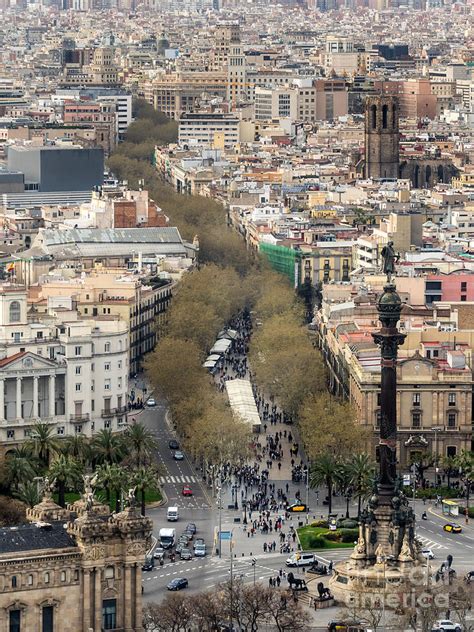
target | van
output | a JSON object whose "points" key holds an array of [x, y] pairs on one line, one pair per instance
{"points": [[301, 559], [167, 538], [172, 515]]}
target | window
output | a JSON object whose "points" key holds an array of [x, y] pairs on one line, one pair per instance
{"points": [[63, 576], [78, 351], [14, 581], [78, 386], [78, 370], [30, 580], [451, 451], [452, 399], [15, 621], [416, 420], [119, 384], [119, 365], [379, 399], [451, 420], [107, 385], [109, 572], [60, 430], [416, 399], [107, 347], [109, 614], [48, 619], [107, 366], [15, 312], [463, 286], [46, 578]]}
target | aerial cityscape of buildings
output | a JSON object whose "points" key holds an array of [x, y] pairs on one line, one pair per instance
{"points": [[329, 131]]}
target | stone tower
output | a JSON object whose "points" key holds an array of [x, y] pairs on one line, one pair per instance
{"points": [[381, 137]]}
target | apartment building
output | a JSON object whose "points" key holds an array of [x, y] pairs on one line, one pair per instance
{"points": [[60, 369], [179, 92], [112, 294]]}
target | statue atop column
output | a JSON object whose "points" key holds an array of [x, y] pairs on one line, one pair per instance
{"points": [[389, 257]]}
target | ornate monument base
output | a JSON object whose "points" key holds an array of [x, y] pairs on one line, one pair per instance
{"points": [[387, 561]]}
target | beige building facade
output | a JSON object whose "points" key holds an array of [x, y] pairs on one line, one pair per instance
{"points": [[62, 573]]}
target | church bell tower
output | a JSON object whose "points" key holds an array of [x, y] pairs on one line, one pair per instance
{"points": [[381, 137]]}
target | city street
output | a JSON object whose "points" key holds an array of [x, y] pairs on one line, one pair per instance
{"points": [[205, 573]]}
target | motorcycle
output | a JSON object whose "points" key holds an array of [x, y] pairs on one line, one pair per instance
{"points": [[424, 516]]}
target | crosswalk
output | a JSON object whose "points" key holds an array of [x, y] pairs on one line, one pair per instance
{"points": [[177, 479], [430, 544]]}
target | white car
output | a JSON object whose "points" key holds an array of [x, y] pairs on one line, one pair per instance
{"points": [[151, 402], [445, 625], [428, 554]]}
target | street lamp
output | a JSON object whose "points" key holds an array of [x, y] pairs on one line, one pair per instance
{"points": [[244, 504], [436, 429]]}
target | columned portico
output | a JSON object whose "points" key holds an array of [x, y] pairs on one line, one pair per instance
{"points": [[52, 395], [18, 398]]}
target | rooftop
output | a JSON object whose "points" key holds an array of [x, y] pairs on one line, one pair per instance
{"points": [[30, 537]]}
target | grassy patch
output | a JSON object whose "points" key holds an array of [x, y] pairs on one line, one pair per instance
{"points": [[150, 497], [313, 538]]}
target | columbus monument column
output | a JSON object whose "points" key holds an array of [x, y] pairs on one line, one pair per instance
{"points": [[386, 558]]}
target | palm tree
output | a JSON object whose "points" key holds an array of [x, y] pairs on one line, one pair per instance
{"points": [[344, 483], [43, 443], [465, 463], [113, 478], [449, 467], [141, 443], [145, 478], [28, 493], [362, 471], [78, 447], [107, 447], [66, 472], [21, 466], [324, 472]]}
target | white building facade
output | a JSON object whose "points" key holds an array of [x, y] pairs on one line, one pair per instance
{"points": [[59, 369]]}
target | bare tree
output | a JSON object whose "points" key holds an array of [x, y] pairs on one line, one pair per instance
{"points": [[285, 614], [173, 614], [209, 610], [460, 603]]}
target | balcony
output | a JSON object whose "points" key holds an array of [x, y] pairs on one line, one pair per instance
{"points": [[79, 419], [120, 410], [108, 412]]}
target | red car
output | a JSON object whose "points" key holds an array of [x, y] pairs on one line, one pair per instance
{"points": [[187, 491]]}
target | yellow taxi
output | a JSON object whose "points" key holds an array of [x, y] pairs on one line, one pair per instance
{"points": [[452, 527]]}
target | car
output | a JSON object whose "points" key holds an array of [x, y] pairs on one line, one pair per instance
{"points": [[187, 491], [452, 527], [428, 554], [300, 559], [346, 626], [445, 625], [199, 542], [178, 455], [159, 553], [173, 444], [188, 535], [151, 402], [200, 550], [186, 554], [177, 584], [147, 566], [191, 526], [180, 546], [296, 508]]}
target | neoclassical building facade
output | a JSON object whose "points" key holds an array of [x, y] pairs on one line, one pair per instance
{"points": [[59, 368], [74, 570]]}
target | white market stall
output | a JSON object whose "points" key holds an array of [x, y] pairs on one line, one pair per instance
{"points": [[242, 402]]}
